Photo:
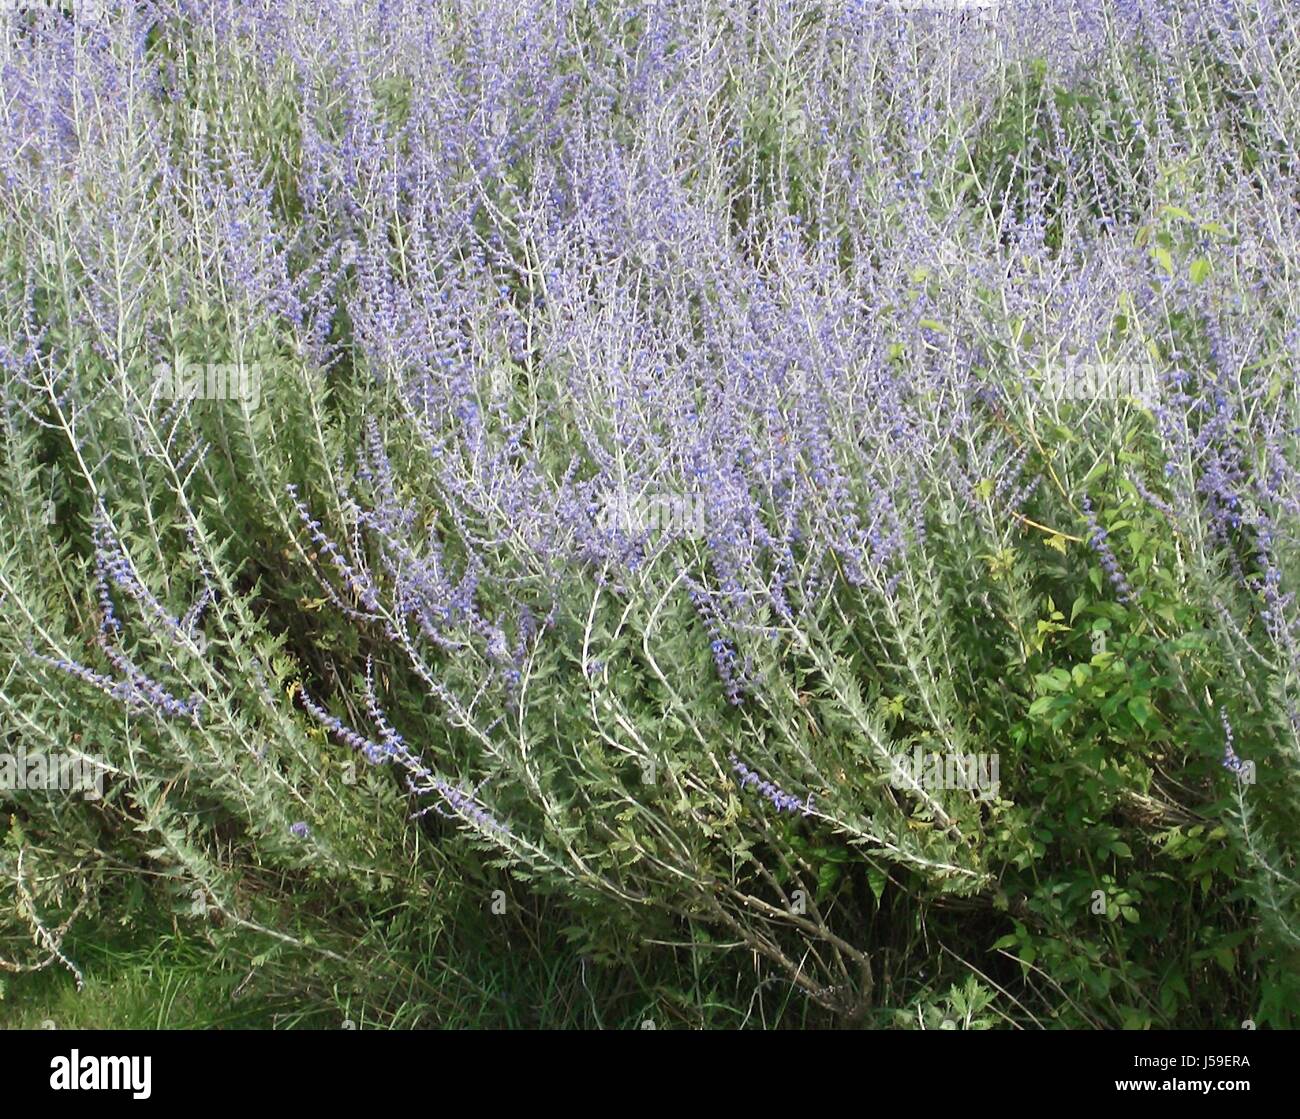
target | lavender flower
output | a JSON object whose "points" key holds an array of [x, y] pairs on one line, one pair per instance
{"points": [[456, 801], [1097, 539], [1230, 759], [781, 800]]}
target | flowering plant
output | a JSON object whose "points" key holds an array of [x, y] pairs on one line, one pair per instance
{"points": [[653, 407]]}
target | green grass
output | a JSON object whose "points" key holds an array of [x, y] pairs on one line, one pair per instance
{"points": [[152, 975], [167, 983]]}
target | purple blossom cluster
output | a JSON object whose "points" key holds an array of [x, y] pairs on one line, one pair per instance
{"points": [[505, 228], [137, 690], [781, 800], [456, 801], [135, 687], [1231, 761], [1097, 539]]}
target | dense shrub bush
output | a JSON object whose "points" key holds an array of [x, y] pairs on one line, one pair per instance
{"points": [[611, 487]]}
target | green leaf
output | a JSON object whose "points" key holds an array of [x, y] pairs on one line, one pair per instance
{"points": [[876, 880], [1055, 681], [1140, 708], [828, 874]]}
